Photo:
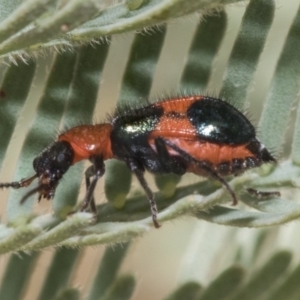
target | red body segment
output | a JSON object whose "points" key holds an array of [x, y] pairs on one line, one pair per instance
{"points": [[178, 104], [89, 140], [174, 121], [204, 151]]}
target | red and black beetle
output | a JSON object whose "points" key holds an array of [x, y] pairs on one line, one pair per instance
{"points": [[197, 134]]}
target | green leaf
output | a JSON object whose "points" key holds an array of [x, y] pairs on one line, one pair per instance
{"points": [[59, 273], [68, 294], [167, 183], [16, 238], [279, 103], [14, 91], [122, 289], [154, 12], [296, 140], [84, 20], [288, 288], [71, 15], [117, 183], [25, 14], [247, 48], [140, 68], [108, 269], [59, 233], [7, 7], [189, 290], [206, 42], [16, 276], [267, 276], [225, 284]]}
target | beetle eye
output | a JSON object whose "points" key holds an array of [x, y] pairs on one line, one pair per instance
{"points": [[61, 157]]}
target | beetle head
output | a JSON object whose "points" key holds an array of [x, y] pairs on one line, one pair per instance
{"points": [[51, 165]]}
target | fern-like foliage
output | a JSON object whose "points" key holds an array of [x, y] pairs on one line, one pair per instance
{"points": [[69, 94]]}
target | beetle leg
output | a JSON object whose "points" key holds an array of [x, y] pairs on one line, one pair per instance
{"points": [[262, 195], [202, 165], [170, 163], [140, 176], [96, 171]]}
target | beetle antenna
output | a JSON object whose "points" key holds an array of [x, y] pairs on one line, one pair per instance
{"points": [[19, 184]]}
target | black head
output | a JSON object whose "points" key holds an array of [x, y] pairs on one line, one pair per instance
{"points": [[51, 165]]}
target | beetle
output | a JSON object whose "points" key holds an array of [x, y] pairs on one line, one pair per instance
{"points": [[197, 134]]}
